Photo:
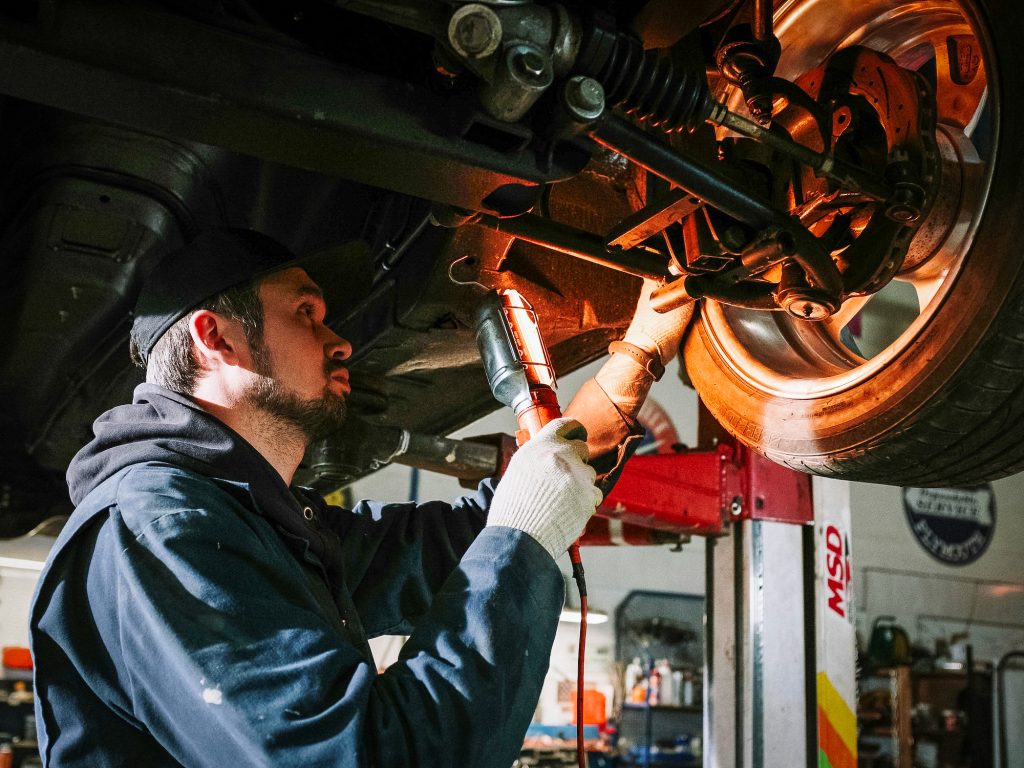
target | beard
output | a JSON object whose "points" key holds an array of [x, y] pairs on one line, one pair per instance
{"points": [[316, 418]]}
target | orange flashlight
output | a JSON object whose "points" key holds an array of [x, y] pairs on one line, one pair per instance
{"points": [[516, 361]]}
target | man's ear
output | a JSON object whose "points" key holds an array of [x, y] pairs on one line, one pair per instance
{"points": [[216, 338]]}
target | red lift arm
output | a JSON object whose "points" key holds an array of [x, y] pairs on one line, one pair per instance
{"points": [[660, 497]]}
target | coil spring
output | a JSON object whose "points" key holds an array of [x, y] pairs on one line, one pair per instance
{"points": [[651, 87]]}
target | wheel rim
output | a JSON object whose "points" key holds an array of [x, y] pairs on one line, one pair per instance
{"points": [[785, 357]]}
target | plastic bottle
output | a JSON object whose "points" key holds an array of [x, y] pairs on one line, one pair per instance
{"points": [[689, 695], [634, 673], [654, 688], [667, 693], [639, 693], [677, 687]]}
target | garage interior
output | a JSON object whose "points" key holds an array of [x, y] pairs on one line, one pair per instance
{"points": [[866, 611]]}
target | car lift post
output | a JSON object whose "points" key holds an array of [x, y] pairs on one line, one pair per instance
{"points": [[780, 649]]}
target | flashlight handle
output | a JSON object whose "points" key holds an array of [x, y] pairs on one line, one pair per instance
{"points": [[542, 408]]}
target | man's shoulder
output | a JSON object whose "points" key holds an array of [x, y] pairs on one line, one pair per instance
{"points": [[160, 477], [146, 493]]}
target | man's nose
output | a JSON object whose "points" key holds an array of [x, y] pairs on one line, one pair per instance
{"points": [[336, 347]]}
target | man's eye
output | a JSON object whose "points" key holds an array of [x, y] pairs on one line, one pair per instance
{"points": [[308, 310]]}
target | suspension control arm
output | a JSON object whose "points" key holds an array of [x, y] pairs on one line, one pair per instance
{"points": [[824, 282], [579, 243]]}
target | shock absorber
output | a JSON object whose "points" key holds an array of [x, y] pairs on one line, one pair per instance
{"points": [[670, 94]]}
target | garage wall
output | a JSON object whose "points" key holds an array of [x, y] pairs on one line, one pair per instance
{"points": [[20, 562], [894, 575], [17, 586]]}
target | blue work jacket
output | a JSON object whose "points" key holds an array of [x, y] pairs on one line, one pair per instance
{"points": [[179, 621]]}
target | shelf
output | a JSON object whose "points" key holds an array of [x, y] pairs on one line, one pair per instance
{"points": [[896, 682], [934, 733], [693, 708]]}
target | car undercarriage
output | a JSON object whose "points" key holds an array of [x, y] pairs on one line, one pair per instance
{"points": [[562, 150]]}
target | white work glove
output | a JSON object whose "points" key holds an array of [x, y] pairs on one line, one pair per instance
{"points": [[658, 332], [548, 489], [624, 379]]}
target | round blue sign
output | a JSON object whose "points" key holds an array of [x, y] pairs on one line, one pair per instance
{"points": [[954, 525]]}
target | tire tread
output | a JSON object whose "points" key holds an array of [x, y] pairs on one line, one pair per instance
{"points": [[952, 441]]}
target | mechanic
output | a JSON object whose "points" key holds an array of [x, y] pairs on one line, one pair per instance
{"points": [[199, 609]]}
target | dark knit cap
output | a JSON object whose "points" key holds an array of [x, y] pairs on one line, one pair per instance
{"points": [[221, 258]]}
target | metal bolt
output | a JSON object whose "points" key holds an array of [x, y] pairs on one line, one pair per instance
{"points": [[736, 508], [529, 64], [474, 31], [903, 214], [806, 303], [808, 309], [584, 96], [734, 238], [905, 205], [585, 92]]}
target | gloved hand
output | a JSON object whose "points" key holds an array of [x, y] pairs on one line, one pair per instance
{"points": [[624, 379], [658, 332], [548, 489]]}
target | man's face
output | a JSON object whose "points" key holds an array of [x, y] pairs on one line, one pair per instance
{"points": [[300, 378]]}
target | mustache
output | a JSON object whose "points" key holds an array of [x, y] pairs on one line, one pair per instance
{"points": [[331, 365]]}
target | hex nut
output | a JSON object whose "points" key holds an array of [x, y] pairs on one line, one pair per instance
{"points": [[529, 65]]}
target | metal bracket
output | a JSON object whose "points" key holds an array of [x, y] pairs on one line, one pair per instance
{"points": [[698, 492]]}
